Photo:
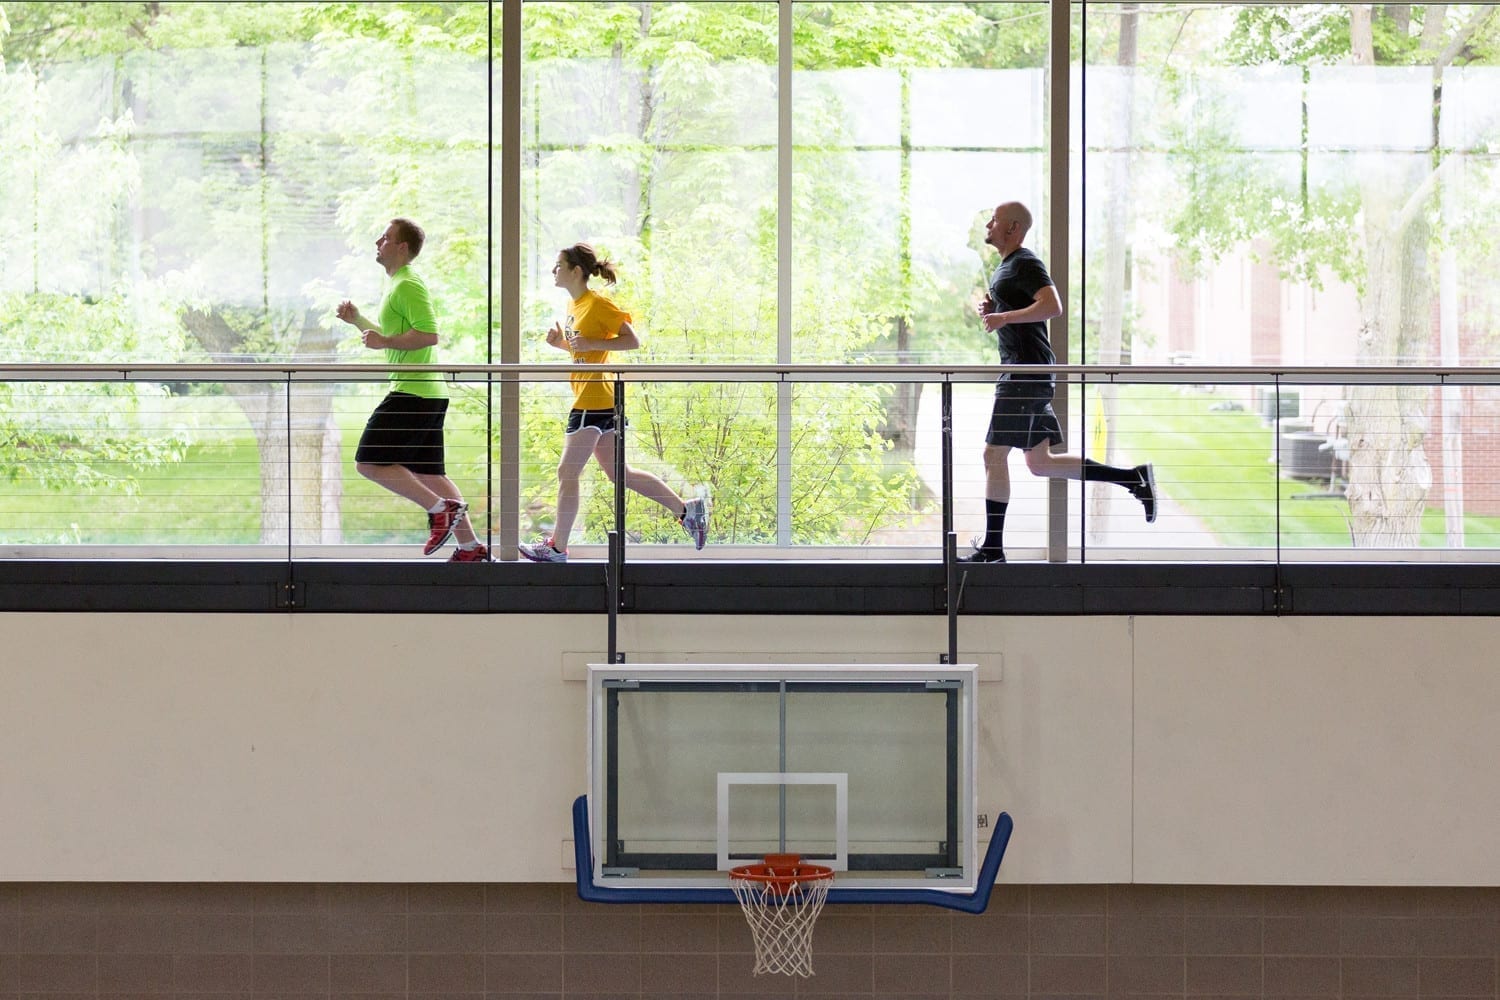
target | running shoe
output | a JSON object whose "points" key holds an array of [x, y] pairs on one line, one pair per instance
{"points": [[542, 552], [442, 523], [982, 554], [1145, 491], [478, 553], [695, 521]]}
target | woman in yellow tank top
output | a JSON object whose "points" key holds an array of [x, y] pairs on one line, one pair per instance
{"points": [[594, 327]]}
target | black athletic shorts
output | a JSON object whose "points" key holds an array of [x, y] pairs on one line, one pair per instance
{"points": [[405, 430], [1023, 416], [603, 420]]}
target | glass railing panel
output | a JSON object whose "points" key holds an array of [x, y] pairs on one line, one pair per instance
{"points": [[544, 414], [708, 441], [1025, 533], [1212, 460], [856, 484], [1311, 451], [341, 513], [1389, 472], [473, 464], [684, 441], [1386, 466], [1463, 508], [137, 469], [367, 515]]}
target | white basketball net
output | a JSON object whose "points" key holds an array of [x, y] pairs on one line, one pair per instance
{"points": [[781, 921]]}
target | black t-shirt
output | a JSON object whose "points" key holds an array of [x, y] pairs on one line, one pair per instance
{"points": [[1014, 286]]}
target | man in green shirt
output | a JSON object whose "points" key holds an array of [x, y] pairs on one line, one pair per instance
{"points": [[401, 448]]}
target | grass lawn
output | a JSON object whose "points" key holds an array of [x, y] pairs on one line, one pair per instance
{"points": [[1216, 465], [213, 496]]}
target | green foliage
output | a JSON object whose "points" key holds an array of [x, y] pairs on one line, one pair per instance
{"points": [[1014, 36], [81, 435], [1288, 35], [1228, 201], [715, 440], [1318, 34], [47, 32], [1235, 198], [841, 35], [62, 435], [43, 32], [456, 26]]}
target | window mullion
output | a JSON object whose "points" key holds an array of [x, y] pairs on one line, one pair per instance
{"points": [[1059, 69], [510, 276], [784, 271]]}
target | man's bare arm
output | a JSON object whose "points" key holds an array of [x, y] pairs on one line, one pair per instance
{"points": [[1045, 306], [351, 315], [411, 340]]}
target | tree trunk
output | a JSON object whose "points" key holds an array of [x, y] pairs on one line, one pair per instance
{"points": [[1451, 433], [1388, 472], [1400, 15], [647, 161], [302, 497], [301, 502], [1433, 17], [1389, 476], [1361, 34], [898, 425]]}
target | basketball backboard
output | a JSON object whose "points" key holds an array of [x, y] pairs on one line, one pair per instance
{"points": [[866, 769]]}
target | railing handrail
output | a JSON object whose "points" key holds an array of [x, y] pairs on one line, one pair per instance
{"points": [[147, 371]]}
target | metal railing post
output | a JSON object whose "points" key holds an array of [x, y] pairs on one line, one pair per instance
{"points": [[291, 502], [615, 576], [1276, 486], [619, 470], [947, 435], [954, 588], [612, 569]]}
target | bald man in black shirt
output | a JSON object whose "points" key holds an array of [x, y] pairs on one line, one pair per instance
{"points": [[1021, 299]]}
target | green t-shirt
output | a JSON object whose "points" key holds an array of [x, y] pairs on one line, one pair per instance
{"points": [[407, 306]]}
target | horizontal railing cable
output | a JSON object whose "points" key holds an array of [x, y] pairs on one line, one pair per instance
{"points": [[756, 372]]}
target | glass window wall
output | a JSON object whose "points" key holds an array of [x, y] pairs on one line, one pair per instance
{"points": [[1284, 185], [785, 183]]}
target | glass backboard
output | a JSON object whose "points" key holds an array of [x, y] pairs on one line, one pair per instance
{"points": [[867, 769]]}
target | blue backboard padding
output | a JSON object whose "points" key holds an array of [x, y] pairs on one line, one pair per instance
{"points": [[974, 902]]}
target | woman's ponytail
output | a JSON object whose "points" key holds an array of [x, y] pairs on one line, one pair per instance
{"points": [[582, 255]]}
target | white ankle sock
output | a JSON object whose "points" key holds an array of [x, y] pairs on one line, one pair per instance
{"points": [[441, 504]]}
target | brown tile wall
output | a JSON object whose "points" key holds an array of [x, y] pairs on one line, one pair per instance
{"points": [[382, 942]]}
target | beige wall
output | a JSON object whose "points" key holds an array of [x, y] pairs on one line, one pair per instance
{"points": [[448, 748]]}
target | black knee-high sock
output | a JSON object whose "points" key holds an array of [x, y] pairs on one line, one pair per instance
{"points": [[1097, 472], [994, 525]]}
